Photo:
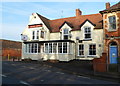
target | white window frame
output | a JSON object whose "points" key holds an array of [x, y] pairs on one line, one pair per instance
{"points": [[31, 46], [95, 50], [57, 48], [87, 27], [110, 27], [81, 50], [65, 34], [36, 34]]}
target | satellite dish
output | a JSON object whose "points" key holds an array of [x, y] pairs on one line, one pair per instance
{"points": [[24, 37]]}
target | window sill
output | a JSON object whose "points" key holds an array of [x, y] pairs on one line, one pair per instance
{"points": [[110, 30], [91, 56], [87, 39], [81, 56]]}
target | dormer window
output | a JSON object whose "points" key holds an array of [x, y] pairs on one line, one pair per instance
{"points": [[112, 22], [65, 34], [87, 32]]}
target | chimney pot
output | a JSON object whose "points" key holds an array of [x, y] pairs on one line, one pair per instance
{"points": [[107, 5], [78, 12]]}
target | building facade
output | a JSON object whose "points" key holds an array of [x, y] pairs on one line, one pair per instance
{"points": [[65, 39], [111, 52]]}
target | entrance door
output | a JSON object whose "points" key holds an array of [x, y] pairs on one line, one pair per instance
{"points": [[113, 54]]}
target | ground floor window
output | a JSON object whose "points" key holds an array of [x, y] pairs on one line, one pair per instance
{"points": [[32, 48], [60, 47], [92, 49], [81, 50], [53, 47]]}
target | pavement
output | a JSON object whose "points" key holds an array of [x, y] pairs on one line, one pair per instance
{"points": [[38, 73], [84, 68]]}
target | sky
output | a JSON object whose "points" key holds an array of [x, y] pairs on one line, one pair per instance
{"points": [[15, 15]]}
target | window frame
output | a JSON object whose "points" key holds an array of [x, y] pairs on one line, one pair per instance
{"points": [[87, 33], [80, 50], [113, 23], [92, 50], [65, 34]]}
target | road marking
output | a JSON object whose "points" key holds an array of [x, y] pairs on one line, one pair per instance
{"points": [[13, 64], [3, 75], [31, 68], [84, 77], [48, 70], [22, 82], [60, 72], [41, 80]]}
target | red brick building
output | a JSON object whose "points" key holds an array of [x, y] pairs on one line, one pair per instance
{"points": [[10, 50], [111, 26]]}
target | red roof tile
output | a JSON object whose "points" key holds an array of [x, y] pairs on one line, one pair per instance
{"points": [[74, 21]]}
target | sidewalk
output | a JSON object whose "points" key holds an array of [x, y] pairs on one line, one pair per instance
{"points": [[85, 68]]}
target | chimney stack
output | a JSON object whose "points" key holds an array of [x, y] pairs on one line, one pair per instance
{"points": [[107, 5], [78, 12]]}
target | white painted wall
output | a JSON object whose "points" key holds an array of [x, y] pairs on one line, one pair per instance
{"points": [[97, 38]]}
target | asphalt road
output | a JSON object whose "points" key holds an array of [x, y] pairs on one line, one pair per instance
{"points": [[31, 74]]}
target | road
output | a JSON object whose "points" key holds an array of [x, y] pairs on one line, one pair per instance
{"points": [[38, 73]]}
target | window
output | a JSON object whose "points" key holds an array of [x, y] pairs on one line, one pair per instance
{"points": [[66, 34], [65, 47], [42, 34], [37, 34], [46, 47], [59, 47], [33, 35], [54, 47], [92, 49], [32, 48], [81, 50], [112, 22], [87, 32], [50, 47]]}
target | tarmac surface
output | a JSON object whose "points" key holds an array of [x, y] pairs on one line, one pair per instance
{"points": [[38, 73]]}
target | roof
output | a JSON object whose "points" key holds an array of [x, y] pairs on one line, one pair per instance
{"points": [[11, 44], [113, 8], [74, 22], [45, 21]]}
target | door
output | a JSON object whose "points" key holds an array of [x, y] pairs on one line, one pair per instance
{"points": [[113, 54]]}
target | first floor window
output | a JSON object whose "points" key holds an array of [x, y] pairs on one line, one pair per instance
{"points": [[42, 34], [92, 49], [112, 22], [81, 49], [87, 32], [33, 35]]}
